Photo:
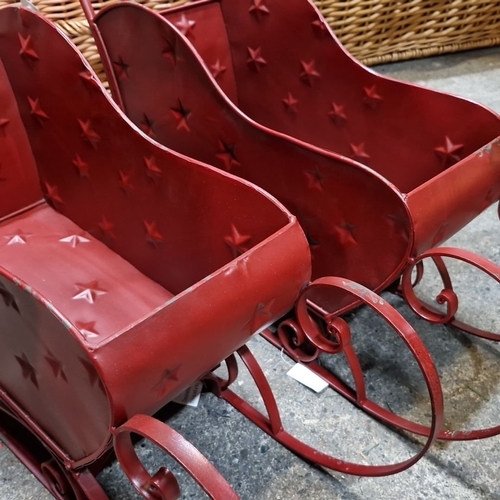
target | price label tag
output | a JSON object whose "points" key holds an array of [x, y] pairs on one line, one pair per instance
{"points": [[306, 377]]}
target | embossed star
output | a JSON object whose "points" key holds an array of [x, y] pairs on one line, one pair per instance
{"points": [[240, 267], [152, 234], [91, 371], [9, 300], [81, 166], [309, 72], [259, 8], [88, 79], [239, 243], [398, 224], [88, 291], [28, 371], [52, 193], [372, 97], [121, 68], [315, 179], [147, 126], [152, 168], [126, 182], [217, 69], [255, 60], [181, 115], [167, 377], [88, 133], [358, 150], [262, 314], [169, 51], [186, 26], [450, 153], [20, 238], [3, 125], [74, 240], [337, 114], [37, 111], [319, 28], [227, 154], [107, 228], [87, 329], [56, 366], [290, 103], [345, 234], [440, 234], [27, 49]]}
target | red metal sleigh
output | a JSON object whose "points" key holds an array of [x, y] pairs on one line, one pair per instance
{"points": [[128, 271], [379, 172]]}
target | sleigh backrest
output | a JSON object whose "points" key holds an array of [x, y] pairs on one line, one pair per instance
{"points": [[174, 219]]}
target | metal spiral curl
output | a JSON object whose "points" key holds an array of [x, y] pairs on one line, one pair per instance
{"points": [[296, 344]]}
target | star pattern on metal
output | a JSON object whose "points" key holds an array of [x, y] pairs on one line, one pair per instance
{"points": [[88, 133], [89, 291], [152, 168], [146, 126], [87, 329], [126, 182], [259, 8], [227, 155], [74, 240], [153, 235], [181, 115], [37, 111], [27, 49], [56, 367], [315, 178], [81, 166], [291, 103], [107, 228], [121, 68], [186, 26], [345, 234], [9, 300], [218, 69], [262, 314], [358, 150], [239, 243], [337, 114], [52, 193], [371, 96], [450, 152], [255, 60], [169, 51], [167, 377], [309, 72], [28, 370]]}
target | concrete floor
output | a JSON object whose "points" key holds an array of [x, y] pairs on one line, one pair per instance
{"points": [[260, 469]]}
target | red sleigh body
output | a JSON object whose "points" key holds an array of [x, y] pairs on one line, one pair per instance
{"points": [[378, 172]]}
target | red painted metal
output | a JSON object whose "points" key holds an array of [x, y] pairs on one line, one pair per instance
{"points": [[377, 171], [115, 254], [115, 257]]}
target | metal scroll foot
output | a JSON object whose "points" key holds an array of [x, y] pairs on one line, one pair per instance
{"points": [[310, 339], [163, 485]]}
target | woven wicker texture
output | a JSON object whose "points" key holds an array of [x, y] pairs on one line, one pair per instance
{"points": [[374, 31]]}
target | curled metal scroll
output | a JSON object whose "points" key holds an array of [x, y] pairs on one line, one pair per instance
{"points": [[334, 337], [163, 485]]}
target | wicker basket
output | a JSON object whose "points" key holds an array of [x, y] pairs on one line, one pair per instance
{"points": [[375, 31]]}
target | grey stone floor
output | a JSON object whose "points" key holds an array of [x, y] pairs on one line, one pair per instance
{"points": [[260, 469]]}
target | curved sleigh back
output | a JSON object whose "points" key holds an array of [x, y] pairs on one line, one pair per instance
{"points": [[127, 271], [166, 90]]}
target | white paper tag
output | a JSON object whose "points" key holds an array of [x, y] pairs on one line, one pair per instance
{"points": [[191, 396], [306, 377]]}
